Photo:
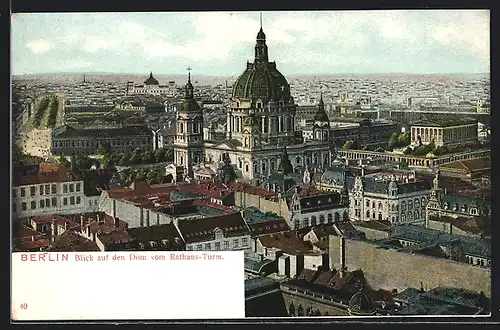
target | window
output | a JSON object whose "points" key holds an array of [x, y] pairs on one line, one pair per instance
{"points": [[78, 187], [235, 244], [189, 248], [23, 192], [41, 190], [198, 247], [71, 188], [368, 214], [72, 200], [47, 189], [47, 202], [42, 203], [33, 205], [65, 201], [78, 199], [53, 189], [54, 201], [226, 245], [65, 188], [367, 203], [208, 247], [32, 191], [23, 206], [244, 241], [217, 246]]}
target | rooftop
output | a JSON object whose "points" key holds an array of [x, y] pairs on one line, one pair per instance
{"points": [[165, 234], [469, 165], [289, 242], [70, 241], [43, 173]]}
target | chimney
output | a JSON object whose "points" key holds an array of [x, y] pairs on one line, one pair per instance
{"points": [[82, 218], [342, 256], [52, 231], [114, 209], [94, 237], [88, 231], [362, 170], [117, 223], [32, 238]]}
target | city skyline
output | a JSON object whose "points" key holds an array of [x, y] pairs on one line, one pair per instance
{"points": [[217, 43]]}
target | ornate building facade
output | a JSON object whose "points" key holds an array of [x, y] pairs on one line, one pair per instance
{"points": [[260, 119]]}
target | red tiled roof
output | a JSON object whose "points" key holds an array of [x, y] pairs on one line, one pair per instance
{"points": [[107, 232], [48, 218], [21, 231], [199, 230], [29, 245], [47, 173], [215, 190], [70, 241], [158, 233], [289, 242]]}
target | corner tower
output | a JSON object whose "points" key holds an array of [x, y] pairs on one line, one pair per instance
{"points": [[188, 143]]}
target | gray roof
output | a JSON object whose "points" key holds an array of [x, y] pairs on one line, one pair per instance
{"points": [[256, 266], [382, 187]]}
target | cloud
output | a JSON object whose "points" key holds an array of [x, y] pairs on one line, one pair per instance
{"points": [[40, 46], [78, 63]]}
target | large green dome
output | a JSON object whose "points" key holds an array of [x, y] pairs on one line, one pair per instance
{"points": [[262, 81]]}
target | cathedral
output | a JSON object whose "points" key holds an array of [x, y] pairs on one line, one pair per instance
{"points": [[260, 125]]}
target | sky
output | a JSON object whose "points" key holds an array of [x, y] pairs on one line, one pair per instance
{"points": [[220, 43]]}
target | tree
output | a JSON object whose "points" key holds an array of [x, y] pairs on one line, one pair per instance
{"points": [[148, 157], [285, 165], [404, 139], [104, 148], [63, 161], [393, 141], [408, 151], [125, 159], [348, 144], [160, 154], [18, 156]]}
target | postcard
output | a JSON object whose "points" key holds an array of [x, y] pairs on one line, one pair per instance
{"points": [[239, 165]]}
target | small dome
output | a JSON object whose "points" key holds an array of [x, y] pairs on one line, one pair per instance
{"points": [[361, 304], [261, 35], [151, 80]]}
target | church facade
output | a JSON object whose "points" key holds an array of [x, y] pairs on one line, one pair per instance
{"points": [[260, 124]]}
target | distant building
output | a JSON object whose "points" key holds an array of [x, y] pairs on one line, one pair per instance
{"points": [[449, 132], [151, 86], [67, 140]]}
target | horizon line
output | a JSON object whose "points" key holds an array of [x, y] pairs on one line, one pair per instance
{"points": [[221, 75]]}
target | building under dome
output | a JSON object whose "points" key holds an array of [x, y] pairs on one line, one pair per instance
{"points": [[260, 122], [150, 86]]}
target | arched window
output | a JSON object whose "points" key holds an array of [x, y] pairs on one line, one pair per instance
{"points": [[263, 167], [380, 207], [373, 215], [313, 221], [403, 206], [368, 214], [337, 217], [308, 160], [315, 159], [410, 216], [380, 216], [259, 105], [305, 222], [297, 160], [417, 215], [273, 165], [321, 219], [330, 217], [403, 217]]}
